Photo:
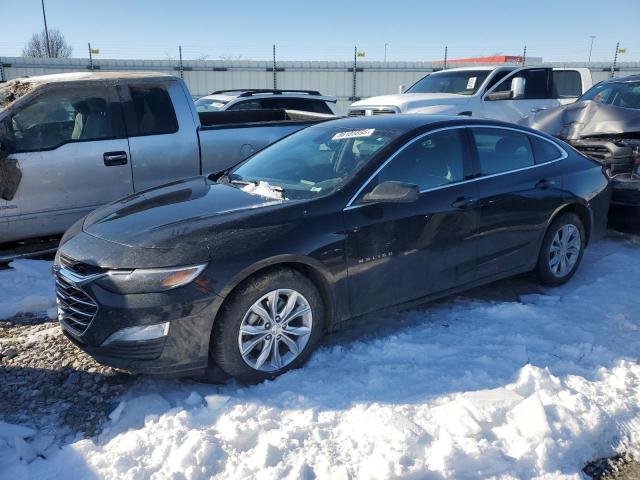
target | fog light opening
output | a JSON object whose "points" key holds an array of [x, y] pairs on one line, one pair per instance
{"points": [[137, 334]]}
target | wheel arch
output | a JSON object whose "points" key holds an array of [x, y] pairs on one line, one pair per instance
{"points": [[310, 268], [583, 212]]}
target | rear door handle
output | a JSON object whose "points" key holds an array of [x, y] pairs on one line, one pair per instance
{"points": [[544, 184], [111, 159], [538, 109], [463, 202]]}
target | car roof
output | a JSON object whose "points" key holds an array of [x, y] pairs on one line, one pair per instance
{"points": [[628, 78], [228, 95], [407, 122], [93, 76], [479, 67]]}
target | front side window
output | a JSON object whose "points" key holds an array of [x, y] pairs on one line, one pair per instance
{"points": [[313, 161], [153, 110], [537, 84], [61, 116], [500, 150], [460, 82], [429, 162]]}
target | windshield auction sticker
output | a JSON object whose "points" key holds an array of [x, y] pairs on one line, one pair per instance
{"points": [[354, 134], [471, 83]]}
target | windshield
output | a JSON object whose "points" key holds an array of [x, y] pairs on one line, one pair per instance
{"points": [[209, 105], [313, 161], [618, 94], [11, 91], [461, 82]]}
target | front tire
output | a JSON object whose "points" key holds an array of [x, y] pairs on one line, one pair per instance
{"points": [[561, 250], [271, 324]]}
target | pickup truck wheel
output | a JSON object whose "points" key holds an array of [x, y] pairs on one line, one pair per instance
{"points": [[270, 325], [561, 250]]}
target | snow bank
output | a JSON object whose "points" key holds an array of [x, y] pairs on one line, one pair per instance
{"points": [[467, 389], [27, 287]]}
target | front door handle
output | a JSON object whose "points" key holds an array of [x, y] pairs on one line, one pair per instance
{"points": [[463, 202], [111, 159], [545, 184], [538, 109]]}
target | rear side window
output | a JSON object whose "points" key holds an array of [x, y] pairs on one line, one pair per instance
{"points": [[500, 150], [544, 151], [567, 83], [154, 113]]}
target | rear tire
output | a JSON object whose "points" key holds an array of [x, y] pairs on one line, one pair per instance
{"points": [[561, 250], [273, 340]]}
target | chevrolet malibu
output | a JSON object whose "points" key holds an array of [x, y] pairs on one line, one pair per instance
{"points": [[246, 269]]}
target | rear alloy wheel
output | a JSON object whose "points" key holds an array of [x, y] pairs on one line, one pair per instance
{"points": [[270, 325], [561, 250]]}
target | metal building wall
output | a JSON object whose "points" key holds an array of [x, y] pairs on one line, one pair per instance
{"points": [[331, 78]]}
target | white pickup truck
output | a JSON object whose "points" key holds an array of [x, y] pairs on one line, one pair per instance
{"points": [[504, 93]]}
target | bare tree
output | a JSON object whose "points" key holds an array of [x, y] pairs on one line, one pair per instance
{"points": [[37, 45]]}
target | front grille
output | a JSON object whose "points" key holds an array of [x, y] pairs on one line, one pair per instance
{"points": [[76, 309], [374, 111], [79, 268], [597, 152]]}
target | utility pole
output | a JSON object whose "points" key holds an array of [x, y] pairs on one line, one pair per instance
{"points": [[592, 37], [181, 68], [355, 68], [524, 56], [386, 45], [46, 30], [446, 52], [615, 60], [275, 77], [90, 57]]}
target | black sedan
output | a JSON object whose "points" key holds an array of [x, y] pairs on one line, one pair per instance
{"points": [[248, 268]]}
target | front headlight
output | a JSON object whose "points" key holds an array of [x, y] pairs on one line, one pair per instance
{"points": [[149, 280]]}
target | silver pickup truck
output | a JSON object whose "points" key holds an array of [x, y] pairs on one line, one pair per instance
{"points": [[72, 142]]}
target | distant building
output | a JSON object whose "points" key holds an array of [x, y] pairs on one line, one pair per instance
{"points": [[495, 59]]}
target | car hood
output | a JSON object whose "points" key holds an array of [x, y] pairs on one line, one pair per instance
{"points": [[586, 118], [174, 215], [411, 101]]}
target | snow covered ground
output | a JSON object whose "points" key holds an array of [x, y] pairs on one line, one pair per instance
{"points": [[479, 386]]}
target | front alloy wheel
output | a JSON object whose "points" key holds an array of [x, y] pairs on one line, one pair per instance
{"points": [[270, 324], [275, 329]]}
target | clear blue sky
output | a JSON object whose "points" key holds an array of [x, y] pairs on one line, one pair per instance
{"points": [[556, 30]]}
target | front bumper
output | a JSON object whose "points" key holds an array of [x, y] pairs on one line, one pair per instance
{"points": [[617, 157], [625, 202], [183, 351]]}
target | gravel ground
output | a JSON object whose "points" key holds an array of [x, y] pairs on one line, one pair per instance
{"points": [[49, 384]]}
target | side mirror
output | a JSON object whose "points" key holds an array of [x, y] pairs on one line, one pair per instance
{"points": [[517, 88], [393, 192]]}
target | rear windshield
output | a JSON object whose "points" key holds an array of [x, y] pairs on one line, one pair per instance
{"points": [[461, 82], [209, 105]]}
